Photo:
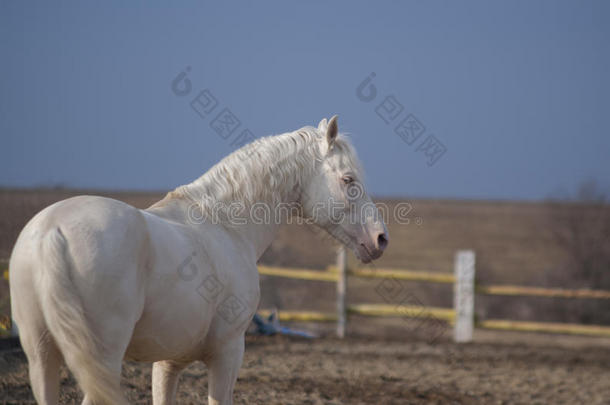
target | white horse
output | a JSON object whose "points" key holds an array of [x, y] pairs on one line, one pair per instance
{"points": [[94, 280]]}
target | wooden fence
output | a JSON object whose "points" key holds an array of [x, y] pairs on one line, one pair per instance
{"points": [[461, 316]]}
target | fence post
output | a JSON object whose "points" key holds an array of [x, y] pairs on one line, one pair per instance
{"points": [[341, 292], [463, 296]]}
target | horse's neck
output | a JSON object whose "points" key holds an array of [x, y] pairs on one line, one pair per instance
{"points": [[171, 208], [256, 232], [254, 235], [180, 204]]}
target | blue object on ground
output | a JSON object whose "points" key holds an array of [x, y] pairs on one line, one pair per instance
{"points": [[272, 326]]}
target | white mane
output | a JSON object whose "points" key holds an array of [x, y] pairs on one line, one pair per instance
{"points": [[265, 170]]}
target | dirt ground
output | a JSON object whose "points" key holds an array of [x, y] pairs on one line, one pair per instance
{"points": [[384, 361], [362, 370]]}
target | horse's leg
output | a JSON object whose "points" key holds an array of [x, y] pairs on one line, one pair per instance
{"points": [[113, 363], [223, 367], [113, 332], [165, 375], [114, 337], [44, 360]]}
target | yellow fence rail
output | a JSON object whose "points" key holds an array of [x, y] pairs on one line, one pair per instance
{"points": [[408, 311], [301, 316], [541, 292], [302, 274], [400, 274], [338, 273], [548, 327]]}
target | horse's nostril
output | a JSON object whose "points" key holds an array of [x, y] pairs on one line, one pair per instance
{"points": [[382, 241]]}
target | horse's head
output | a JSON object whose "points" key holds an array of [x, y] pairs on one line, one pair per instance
{"points": [[335, 199]]}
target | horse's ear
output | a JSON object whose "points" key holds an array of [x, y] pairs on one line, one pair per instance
{"points": [[332, 130], [323, 124]]}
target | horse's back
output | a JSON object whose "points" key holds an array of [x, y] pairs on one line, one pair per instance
{"points": [[105, 250], [97, 229]]}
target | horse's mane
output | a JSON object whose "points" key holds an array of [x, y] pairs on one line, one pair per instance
{"points": [[265, 170]]}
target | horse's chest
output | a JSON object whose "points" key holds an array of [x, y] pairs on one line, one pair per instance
{"points": [[196, 308]]}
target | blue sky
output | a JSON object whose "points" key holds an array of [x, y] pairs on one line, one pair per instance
{"points": [[518, 93]]}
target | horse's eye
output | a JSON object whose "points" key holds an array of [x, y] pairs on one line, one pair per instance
{"points": [[348, 179]]}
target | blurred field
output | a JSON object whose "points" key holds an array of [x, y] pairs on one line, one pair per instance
{"points": [[512, 243], [384, 360], [510, 239]]}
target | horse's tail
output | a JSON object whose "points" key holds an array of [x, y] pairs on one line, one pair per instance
{"points": [[66, 319]]}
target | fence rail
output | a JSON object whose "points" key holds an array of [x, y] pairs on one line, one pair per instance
{"points": [[302, 316], [541, 292], [548, 327], [461, 316], [301, 274], [409, 275], [409, 311]]}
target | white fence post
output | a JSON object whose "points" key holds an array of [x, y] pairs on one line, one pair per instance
{"points": [[463, 296], [341, 292]]}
